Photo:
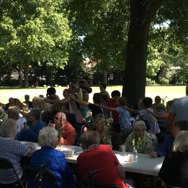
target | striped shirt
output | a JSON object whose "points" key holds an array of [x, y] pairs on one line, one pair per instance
{"points": [[14, 151]]}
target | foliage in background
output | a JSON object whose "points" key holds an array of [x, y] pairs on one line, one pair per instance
{"points": [[34, 31]]}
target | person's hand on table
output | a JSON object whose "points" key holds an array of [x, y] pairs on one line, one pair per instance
{"points": [[153, 154]]}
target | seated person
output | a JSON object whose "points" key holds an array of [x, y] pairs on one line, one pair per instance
{"points": [[165, 147], [106, 169], [12, 150], [101, 126], [53, 159], [140, 140], [174, 168], [66, 131], [14, 113], [35, 124]]}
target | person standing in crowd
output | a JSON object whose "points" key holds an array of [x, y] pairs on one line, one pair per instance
{"points": [[51, 96], [103, 91]]}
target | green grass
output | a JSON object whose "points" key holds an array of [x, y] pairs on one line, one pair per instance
{"points": [[167, 92]]}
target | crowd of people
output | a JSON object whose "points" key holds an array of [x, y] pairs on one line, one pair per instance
{"points": [[100, 127]]}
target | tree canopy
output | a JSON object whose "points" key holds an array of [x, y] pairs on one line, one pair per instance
{"points": [[34, 31], [147, 40]]}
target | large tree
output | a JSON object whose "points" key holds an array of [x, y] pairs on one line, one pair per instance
{"points": [[142, 13], [33, 31]]}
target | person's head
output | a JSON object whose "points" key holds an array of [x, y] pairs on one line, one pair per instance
{"points": [[97, 98], [115, 94], [66, 93], [8, 128], [39, 103], [16, 102], [179, 126], [48, 136], [83, 84], [139, 128], [102, 87], [51, 91], [99, 123], [10, 99], [158, 100], [122, 101], [34, 115], [85, 95], [89, 138], [13, 112], [26, 98], [181, 142], [147, 102], [60, 119]]}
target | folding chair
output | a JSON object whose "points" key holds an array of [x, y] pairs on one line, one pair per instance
{"points": [[6, 164], [91, 182], [40, 177]]}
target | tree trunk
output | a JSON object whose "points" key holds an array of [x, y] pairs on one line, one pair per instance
{"points": [[142, 12]]}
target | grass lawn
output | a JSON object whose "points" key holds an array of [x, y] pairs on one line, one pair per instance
{"points": [[166, 92]]}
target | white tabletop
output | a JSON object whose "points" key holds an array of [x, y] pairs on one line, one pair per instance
{"points": [[144, 164]]}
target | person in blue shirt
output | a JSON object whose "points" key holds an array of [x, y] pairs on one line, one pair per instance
{"points": [[165, 147], [31, 132], [53, 159]]}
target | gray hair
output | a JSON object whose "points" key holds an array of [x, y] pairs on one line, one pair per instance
{"points": [[181, 142], [139, 123], [8, 128], [89, 138], [48, 136]]}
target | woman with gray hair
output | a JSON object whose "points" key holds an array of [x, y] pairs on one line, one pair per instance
{"points": [[51, 158], [12, 150], [174, 168]]}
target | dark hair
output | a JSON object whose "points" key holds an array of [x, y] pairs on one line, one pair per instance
{"points": [[97, 98], [182, 125], [157, 98], [103, 85], [147, 102], [115, 93], [122, 101], [35, 113], [51, 91]]}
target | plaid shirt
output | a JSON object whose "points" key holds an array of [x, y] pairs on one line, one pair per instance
{"points": [[14, 151]]}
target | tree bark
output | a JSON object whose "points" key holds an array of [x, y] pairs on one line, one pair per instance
{"points": [[141, 15]]}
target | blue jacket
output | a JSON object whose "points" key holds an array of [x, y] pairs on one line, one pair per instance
{"points": [[55, 161]]}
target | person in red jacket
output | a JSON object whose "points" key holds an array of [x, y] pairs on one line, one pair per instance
{"points": [[67, 132], [98, 163]]}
